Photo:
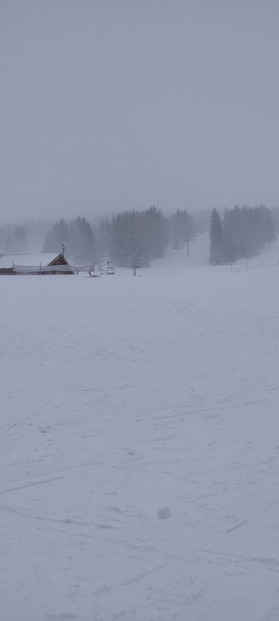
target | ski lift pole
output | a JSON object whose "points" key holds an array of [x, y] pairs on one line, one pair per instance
{"points": [[134, 266], [187, 243]]}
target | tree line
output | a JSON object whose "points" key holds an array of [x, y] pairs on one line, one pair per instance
{"points": [[127, 238], [241, 233], [77, 237], [136, 237], [13, 239]]}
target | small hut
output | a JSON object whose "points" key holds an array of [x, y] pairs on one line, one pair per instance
{"points": [[44, 263]]}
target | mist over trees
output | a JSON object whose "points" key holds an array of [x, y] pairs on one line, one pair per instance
{"points": [[216, 239], [242, 233], [138, 236], [182, 227], [13, 239], [126, 239], [78, 238], [133, 238]]}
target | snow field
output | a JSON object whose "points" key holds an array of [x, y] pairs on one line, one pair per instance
{"points": [[139, 445]]}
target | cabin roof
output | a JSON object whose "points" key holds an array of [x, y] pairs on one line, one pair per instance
{"points": [[30, 260]]}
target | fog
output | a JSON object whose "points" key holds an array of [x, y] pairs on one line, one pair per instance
{"points": [[108, 106]]}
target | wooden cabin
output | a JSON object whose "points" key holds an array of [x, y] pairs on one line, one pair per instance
{"points": [[43, 263]]}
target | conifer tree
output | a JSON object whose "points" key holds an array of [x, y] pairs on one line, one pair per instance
{"points": [[216, 238]]}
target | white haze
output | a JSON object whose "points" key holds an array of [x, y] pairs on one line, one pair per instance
{"points": [[111, 105]]}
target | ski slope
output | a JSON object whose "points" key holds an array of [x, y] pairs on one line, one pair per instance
{"points": [[139, 443]]}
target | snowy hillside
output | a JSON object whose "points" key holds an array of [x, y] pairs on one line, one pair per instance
{"points": [[139, 443]]}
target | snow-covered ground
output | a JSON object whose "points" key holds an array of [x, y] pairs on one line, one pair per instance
{"points": [[139, 443]]}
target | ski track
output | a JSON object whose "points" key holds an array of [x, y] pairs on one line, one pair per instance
{"points": [[139, 446]]}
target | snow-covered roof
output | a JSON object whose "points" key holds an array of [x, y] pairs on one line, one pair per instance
{"points": [[28, 260]]}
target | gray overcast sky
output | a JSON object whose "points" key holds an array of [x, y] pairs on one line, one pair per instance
{"points": [[123, 104]]}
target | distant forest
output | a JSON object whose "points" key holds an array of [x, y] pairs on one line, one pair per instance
{"points": [[126, 239], [241, 233], [136, 237]]}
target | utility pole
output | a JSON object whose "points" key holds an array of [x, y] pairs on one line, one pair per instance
{"points": [[135, 266], [187, 243], [187, 240]]}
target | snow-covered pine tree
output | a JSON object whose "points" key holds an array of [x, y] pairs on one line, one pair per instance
{"points": [[216, 238]]}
